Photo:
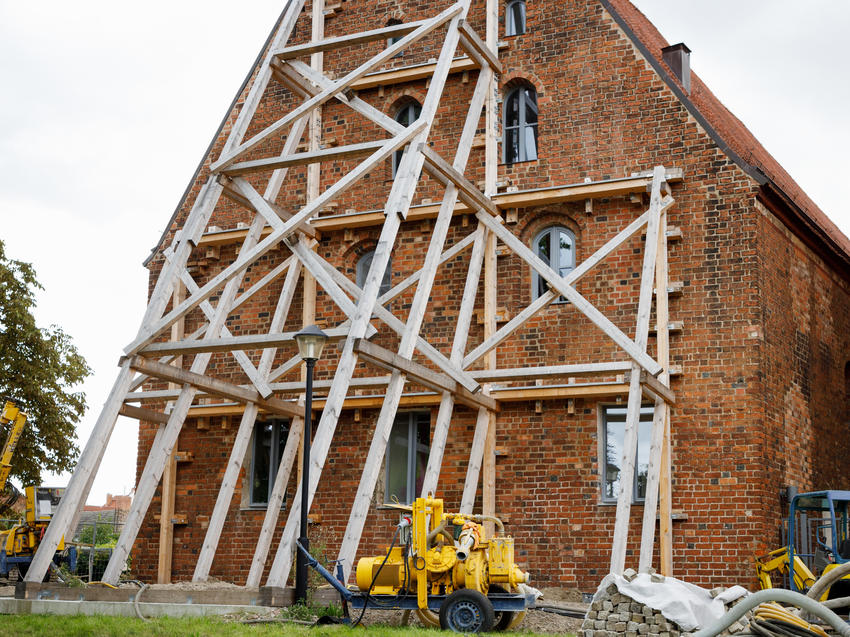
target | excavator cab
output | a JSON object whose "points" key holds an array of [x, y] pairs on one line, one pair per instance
{"points": [[819, 536]]}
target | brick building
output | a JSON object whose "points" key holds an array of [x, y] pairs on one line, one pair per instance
{"points": [[759, 307]]}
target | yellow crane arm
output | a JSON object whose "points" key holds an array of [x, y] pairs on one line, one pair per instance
{"points": [[17, 419]]}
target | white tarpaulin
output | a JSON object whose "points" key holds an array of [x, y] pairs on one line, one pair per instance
{"points": [[688, 605]]}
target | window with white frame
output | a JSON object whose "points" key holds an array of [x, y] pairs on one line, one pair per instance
{"points": [[515, 17], [613, 435], [556, 246], [269, 442], [407, 456], [520, 125], [363, 266], [406, 115]]}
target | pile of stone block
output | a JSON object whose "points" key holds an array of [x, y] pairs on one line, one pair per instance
{"points": [[613, 614]]}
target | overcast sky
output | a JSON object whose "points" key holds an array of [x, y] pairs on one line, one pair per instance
{"points": [[107, 107]]}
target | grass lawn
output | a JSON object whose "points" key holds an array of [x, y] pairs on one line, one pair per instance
{"points": [[97, 626]]}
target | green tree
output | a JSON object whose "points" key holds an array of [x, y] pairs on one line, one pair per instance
{"points": [[39, 367], [106, 534]]}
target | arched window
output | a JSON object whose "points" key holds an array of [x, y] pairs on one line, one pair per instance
{"points": [[520, 126], [408, 114], [557, 247], [363, 266], [515, 17]]}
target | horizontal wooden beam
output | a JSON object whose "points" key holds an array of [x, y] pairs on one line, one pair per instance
{"points": [[248, 341], [532, 373], [440, 168], [410, 74], [140, 413], [299, 159], [421, 374], [362, 37], [428, 399], [213, 386], [521, 199]]}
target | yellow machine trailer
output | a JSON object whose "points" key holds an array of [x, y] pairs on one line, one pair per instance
{"points": [[446, 568]]}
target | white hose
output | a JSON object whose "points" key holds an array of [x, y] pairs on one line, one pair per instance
{"points": [[775, 595]]}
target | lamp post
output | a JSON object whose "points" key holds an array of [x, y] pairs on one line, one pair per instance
{"points": [[310, 342]]}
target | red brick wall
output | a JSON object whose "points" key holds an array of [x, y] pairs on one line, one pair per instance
{"points": [[765, 322]]}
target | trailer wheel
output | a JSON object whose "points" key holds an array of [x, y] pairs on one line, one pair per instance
{"points": [[505, 619], [467, 611]]}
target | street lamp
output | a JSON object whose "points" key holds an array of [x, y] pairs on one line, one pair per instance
{"points": [[310, 342]]}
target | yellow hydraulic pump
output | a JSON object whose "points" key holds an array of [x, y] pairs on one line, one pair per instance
{"points": [[16, 419], [442, 553]]}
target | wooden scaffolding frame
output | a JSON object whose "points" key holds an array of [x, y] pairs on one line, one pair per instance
{"points": [[452, 381]]}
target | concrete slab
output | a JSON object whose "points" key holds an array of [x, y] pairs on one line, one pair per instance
{"points": [[122, 609]]}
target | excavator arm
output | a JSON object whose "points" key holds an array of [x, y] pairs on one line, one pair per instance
{"points": [[16, 419]]}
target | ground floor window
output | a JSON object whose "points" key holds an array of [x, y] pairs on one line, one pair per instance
{"points": [[269, 441], [407, 456], [613, 434]]}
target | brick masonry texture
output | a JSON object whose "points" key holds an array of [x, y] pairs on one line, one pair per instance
{"points": [[761, 398]]}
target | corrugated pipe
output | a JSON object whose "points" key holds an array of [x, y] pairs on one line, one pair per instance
{"points": [[775, 595]]}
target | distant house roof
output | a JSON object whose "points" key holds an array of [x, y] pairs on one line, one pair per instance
{"points": [[729, 132]]}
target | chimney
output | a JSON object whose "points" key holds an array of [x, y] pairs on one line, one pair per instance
{"points": [[678, 58]]}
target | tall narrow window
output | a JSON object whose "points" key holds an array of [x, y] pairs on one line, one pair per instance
{"points": [[363, 266], [515, 17], [520, 126], [407, 456], [390, 41], [269, 441], [613, 435], [557, 247], [408, 114]]}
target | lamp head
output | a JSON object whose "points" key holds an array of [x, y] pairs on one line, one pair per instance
{"points": [[310, 342]]}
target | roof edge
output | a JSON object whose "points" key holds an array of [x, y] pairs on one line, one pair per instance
{"points": [[215, 137]]}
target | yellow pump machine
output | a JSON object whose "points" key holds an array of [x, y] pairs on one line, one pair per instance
{"points": [[447, 569]]}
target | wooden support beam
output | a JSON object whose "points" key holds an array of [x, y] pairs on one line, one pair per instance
{"points": [[472, 44], [299, 159], [140, 413], [351, 39], [473, 468], [212, 386], [658, 388], [548, 371], [246, 342], [410, 74], [422, 375], [440, 168]]}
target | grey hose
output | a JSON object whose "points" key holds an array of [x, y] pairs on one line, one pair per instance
{"points": [[838, 602], [439, 530], [775, 595], [136, 602], [490, 518], [827, 580]]}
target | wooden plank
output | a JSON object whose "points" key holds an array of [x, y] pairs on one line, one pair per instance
{"points": [[264, 541], [473, 469], [504, 201], [410, 74], [421, 374], [351, 39], [272, 213], [470, 42], [658, 388], [548, 371], [246, 342], [80, 483], [438, 166], [299, 159], [212, 385], [225, 493], [567, 290], [140, 413]]}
